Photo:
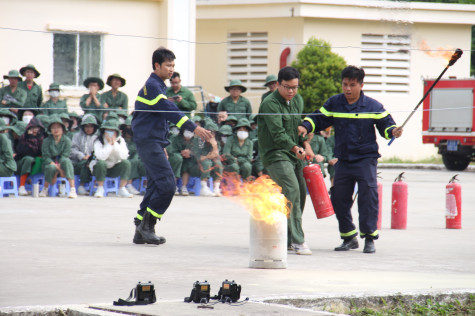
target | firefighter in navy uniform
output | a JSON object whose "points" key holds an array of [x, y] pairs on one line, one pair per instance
{"points": [[353, 116], [150, 121]]}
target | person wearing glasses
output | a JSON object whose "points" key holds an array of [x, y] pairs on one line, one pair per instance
{"points": [[281, 150]]}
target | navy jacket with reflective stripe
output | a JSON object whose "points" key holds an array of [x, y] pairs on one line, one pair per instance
{"points": [[355, 136], [153, 124]]}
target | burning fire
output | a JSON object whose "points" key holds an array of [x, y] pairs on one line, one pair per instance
{"points": [[262, 198], [440, 52]]}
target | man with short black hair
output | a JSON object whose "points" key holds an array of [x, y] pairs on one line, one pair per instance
{"points": [[181, 96], [354, 116], [152, 113], [280, 148]]}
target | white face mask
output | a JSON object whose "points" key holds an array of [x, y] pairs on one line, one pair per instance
{"points": [[54, 93], [174, 131], [110, 133], [6, 119], [188, 134], [242, 135], [27, 118], [224, 139]]}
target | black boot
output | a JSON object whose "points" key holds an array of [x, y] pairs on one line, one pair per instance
{"points": [[138, 239], [348, 244], [369, 246], [147, 229]]}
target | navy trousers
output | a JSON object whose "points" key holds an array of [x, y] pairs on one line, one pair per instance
{"points": [[161, 183], [348, 173]]}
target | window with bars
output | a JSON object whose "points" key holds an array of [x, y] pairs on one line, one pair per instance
{"points": [[76, 57], [247, 59], [386, 62]]}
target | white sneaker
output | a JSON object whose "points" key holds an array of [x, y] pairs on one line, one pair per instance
{"points": [[184, 191], [44, 192], [177, 192], [124, 193], [72, 193], [205, 191], [82, 190], [99, 192], [22, 191], [301, 249], [216, 189], [132, 190]]}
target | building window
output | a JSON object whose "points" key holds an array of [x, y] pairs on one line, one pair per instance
{"points": [[386, 61], [76, 57], [247, 59]]}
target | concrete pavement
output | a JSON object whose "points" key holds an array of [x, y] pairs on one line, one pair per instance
{"points": [[60, 252]]}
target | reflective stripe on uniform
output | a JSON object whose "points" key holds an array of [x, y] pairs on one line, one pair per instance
{"points": [[374, 234], [155, 214], [151, 102], [348, 234], [376, 116], [139, 217], [386, 131], [311, 122], [182, 121]]}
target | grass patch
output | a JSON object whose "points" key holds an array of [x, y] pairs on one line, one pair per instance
{"points": [[429, 308], [430, 160]]}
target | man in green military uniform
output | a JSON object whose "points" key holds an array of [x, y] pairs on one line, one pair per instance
{"points": [[181, 96], [271, 84], [235, 104], [34, 93], [54, 105], [7, 163], [115, 99], [280, 148], [239, 146], [12, 97], [91, 102], [210, 163]]}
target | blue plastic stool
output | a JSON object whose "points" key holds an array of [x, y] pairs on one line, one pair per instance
{"points": [[110, 185], [143, 188], [8, 185], [53, 189], [38, 178], [194, 185]]}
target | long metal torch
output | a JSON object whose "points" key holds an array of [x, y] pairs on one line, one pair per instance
{"points": [[456, 55]]}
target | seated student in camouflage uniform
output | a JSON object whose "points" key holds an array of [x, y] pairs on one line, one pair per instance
{"points": [[34, 93], [28, 151], [111, 153], [235, 104], [56, 150], [115, 99], [91, 102], [137, 169], [240, 147], [54, 105], [67, 122], [12, 96], [75, 126], [209, 162], [182, 153], [317, 151], [231, 120], [7, 163], [224, 133], [82, 150]]}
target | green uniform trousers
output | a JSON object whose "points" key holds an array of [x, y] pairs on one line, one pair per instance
{"points": [[4, 171], [50, 170], [181, 165], [24, 165], [212, 168], [121, 169], [290, 178], [84, 173]]}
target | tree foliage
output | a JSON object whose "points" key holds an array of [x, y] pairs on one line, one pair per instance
{"points": [[320, 73]]}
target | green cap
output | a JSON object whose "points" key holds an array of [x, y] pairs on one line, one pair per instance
{"points": [[13, 74], [89, 119], [6, 112], [226, 130], [235, 83], [111, 124], [244, 122], [55, 119], [19, 128], [30, 67], [231, 118], [109, 79], [122, 113], [211, 126], [44, 119], [54, 86], [269, 79], [3, 126], [94, 79]]}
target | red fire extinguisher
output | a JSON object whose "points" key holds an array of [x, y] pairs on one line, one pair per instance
{"points": [[318, 191], [399, 204], [453, 204]]}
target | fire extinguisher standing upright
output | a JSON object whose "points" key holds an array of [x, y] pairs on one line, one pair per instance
{"points": [[453, 204], [399, 203], [318, 191]]}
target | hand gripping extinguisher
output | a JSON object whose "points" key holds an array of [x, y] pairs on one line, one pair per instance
{"points": [[399, 204], [453, 204], [318, 191]]}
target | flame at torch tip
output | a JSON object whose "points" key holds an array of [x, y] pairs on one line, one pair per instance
{"points": [[441, 52], [263, 198]]}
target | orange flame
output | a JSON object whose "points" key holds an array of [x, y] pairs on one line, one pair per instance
{"points": [[440, 52], [262, 198]]}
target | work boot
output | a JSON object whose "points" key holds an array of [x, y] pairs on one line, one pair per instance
{"points": [[147, 229], [348, 244], [138, 239], [369, 246]]}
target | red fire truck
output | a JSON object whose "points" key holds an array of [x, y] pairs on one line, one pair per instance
{"points": [[448, 121]]}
